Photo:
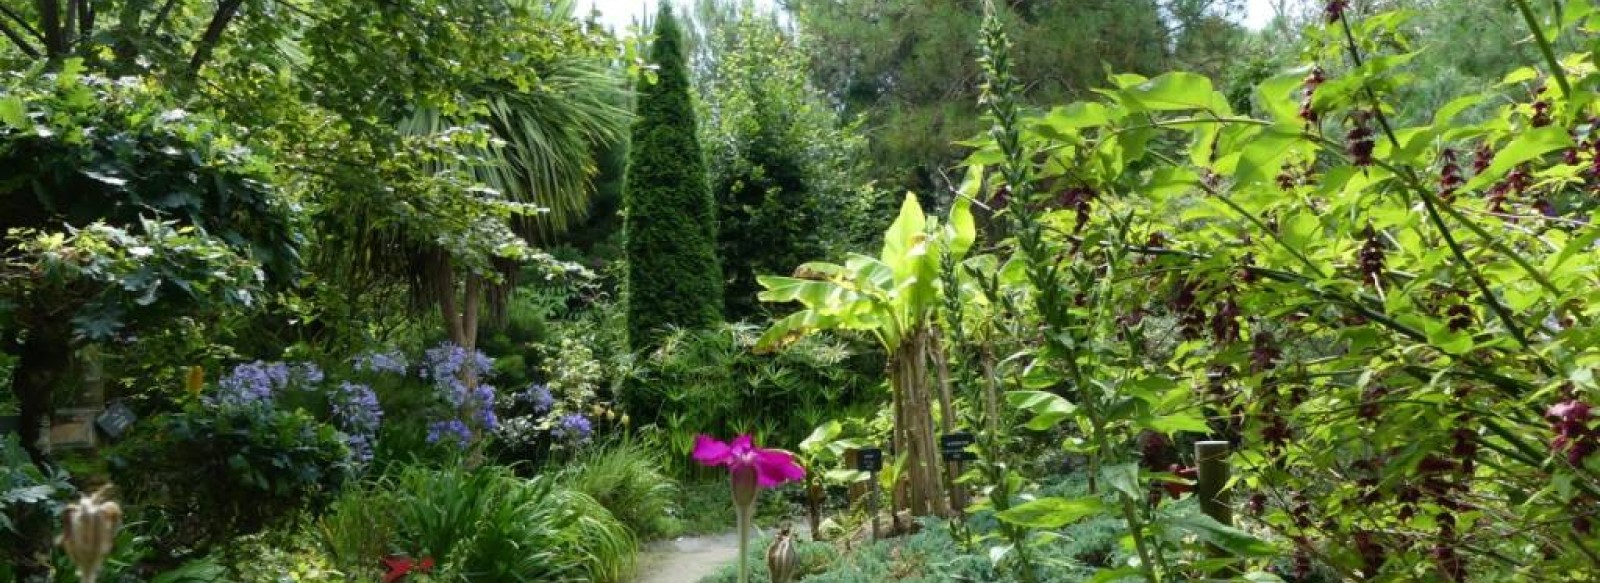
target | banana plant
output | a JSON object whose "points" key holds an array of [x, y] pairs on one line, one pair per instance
{"points": [[894, 298]]}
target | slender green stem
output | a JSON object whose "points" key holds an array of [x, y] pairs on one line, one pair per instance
{"points": [[745, 514], [1544, 47]]}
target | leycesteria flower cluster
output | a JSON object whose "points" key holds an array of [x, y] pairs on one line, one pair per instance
{"points": [[1575, 435], [1191, 317], [1080, 199], [1334, 10], [1371, 258], [1359, 143], [1308, 111], [1449, 176]]}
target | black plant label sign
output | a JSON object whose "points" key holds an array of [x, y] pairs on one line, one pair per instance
{"points": [[869, 460], [115, 420], [956, 441], [954, 447]]}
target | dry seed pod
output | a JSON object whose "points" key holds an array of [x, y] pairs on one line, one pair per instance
{"points": [[89, 533]]}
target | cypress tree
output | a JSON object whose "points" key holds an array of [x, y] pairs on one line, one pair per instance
{"points": [[670, 228]]}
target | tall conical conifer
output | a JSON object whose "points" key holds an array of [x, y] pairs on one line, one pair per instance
{"points": [[674, 278]]}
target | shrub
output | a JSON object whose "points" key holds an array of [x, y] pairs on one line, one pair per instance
{"points": [[710, 381], [670, 223], [479, 525], [30, 507], [206, 474], [625, 477]]}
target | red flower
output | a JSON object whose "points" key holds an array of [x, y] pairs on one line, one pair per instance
{"points": [[1176, 489], [399, 567]]}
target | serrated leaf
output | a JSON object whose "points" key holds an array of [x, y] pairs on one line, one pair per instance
{"points": [[1053, 512]]}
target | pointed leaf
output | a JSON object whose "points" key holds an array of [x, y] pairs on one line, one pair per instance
{"points": [[1048, 409], [1225, 537], [1053, 512], [1527, 146]]}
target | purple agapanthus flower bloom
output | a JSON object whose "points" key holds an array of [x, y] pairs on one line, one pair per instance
{"points": [[449, 360], [360, 448], [356, 408], [538, 395], [573, 427], [453, 430], [388, 362], [483, 402]]}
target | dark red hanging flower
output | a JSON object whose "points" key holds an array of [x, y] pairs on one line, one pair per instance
{"points": [[1308, 111], [1541, 114], [1449, 176], [1334, 10], [1264, 354], [1574, 436], [1371, 258], [1225, 322], [1359, 144], [1177, 489]]}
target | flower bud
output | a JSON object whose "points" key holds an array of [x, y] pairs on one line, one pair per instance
{"points": [[89, 533], [782, 561]]}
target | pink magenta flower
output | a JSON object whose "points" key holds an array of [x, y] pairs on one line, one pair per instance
{"points": [[772, 467]]}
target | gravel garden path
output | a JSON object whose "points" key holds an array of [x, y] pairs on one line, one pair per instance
{"points": [[686, 559]]}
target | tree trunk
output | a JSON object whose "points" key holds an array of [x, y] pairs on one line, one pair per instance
{"points": [[922, 452], [947, 413], [46, 355]]}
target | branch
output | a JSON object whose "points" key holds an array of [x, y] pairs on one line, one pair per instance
{"points": [[16, 39], [208, 41], [21, 22], [161, 18]]}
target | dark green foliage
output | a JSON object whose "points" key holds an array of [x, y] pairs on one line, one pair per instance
{"points": [[204, 475], [710, 381], [670, 228], [31, 502], [76, 148], [770, 218]]}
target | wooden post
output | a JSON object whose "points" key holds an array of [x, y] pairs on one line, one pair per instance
{"points": [[1211, 459]]}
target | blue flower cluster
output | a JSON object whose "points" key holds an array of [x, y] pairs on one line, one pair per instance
{"points": [[470, 407], [390, 362], [573, 427], [453, 430], [259, 382], [356, 411], [538, 396]]}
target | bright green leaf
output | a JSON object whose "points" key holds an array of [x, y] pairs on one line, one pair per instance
{"points": [[1053, 512]]}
